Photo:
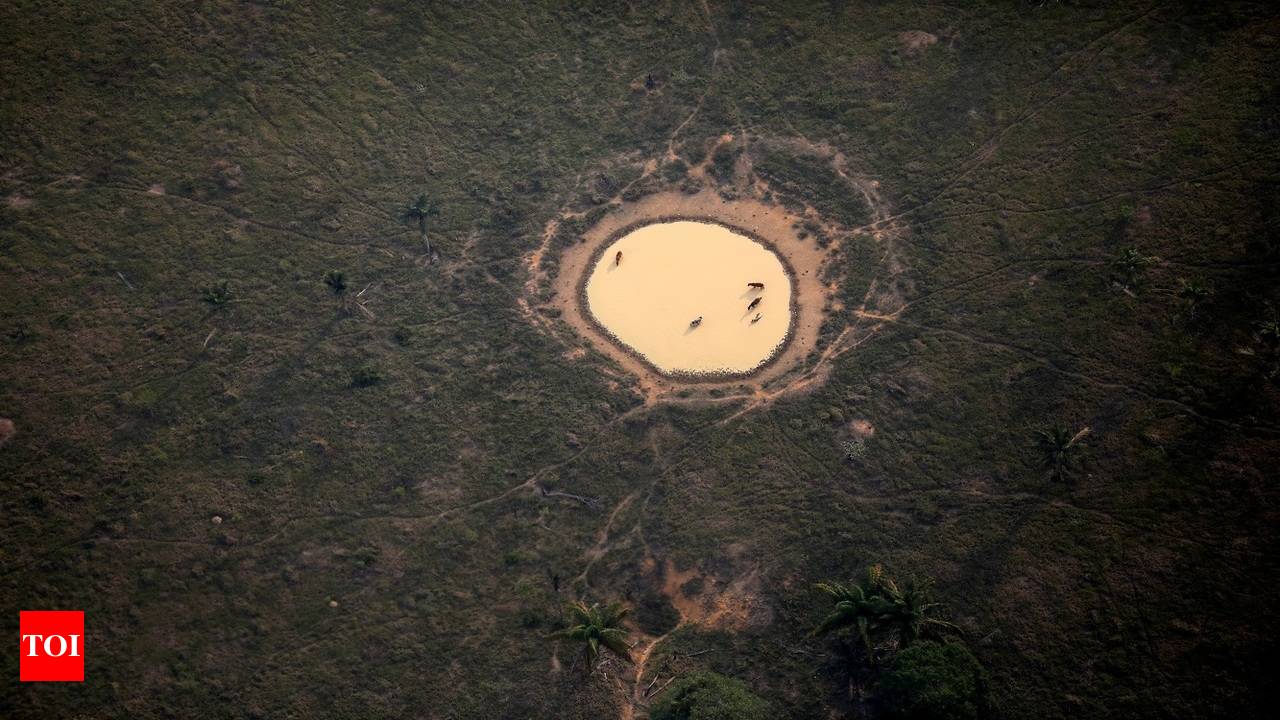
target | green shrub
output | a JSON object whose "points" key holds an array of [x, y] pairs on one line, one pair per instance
{"points": [[931, 681], [217, 295], [709, 696], [365, 377]]}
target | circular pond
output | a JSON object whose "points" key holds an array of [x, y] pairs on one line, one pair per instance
{"points": [[680, 295]]}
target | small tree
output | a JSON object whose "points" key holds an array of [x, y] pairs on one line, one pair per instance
{"points": [[596, 627], [365, 377], [930, 681], [709, 696], [1131, 264], [217, 295], [421, 210], [1058, 447], [1194, 293], [337, 281]]}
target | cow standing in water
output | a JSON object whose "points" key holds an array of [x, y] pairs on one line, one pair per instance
{"points": [[755, 286], [617, 259], [754, 303]]}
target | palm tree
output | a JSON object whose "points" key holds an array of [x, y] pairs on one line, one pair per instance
{"points": [[1131, 263], [336, 280], [910, 612], [858, 606], [421, 210], [1058, 447], [1194, 292], [1268, 331], [595, 627]]}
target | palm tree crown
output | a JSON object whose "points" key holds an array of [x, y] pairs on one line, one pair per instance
{"points": [[420, 210], [1058, 445], [876, 605], [596, 627], [911, 612]]}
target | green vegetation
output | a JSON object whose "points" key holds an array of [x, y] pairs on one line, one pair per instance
{"points": [[217, 295], [365, 377], [1058, 449], [421, 211], [932, 681], [1131, 264], [596, 628], [858, 606], [709, 696], [336, 280], [876, 607]]}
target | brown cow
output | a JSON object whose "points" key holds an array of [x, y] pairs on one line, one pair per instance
{"points": [[756, 319], [696, 322], [756, 286], [754, 303], [617, 259]]}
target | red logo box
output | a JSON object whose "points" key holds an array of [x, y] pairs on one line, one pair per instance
{"points": [[51, 645]]}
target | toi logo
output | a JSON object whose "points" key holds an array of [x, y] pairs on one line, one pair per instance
{"points": [[51, 646]]}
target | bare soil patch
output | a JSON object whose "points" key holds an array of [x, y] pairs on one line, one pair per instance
{"points": [[914, 42], [771, 222]]}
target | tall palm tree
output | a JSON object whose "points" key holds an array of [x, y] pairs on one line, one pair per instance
{"points": [[421, 210], [596, 627], [1058, 447], [910, 612], [859, 606]]}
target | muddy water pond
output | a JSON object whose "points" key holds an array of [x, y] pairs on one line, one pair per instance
{"points": [[679, 295]]}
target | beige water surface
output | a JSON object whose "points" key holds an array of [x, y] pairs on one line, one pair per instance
{"points": [[674, 272]]}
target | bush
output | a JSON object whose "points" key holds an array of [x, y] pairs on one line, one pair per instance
{"points": [[931, 681], [217, 295], [709, 696], [365, 377]]}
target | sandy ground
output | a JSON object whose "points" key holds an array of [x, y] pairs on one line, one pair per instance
{"points": [[771, 223], [672, 273]]}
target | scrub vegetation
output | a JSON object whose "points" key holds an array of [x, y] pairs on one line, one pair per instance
{"points": [[276, 413]]}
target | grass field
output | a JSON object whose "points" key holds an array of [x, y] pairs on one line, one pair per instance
{"points": [[274, 500]]}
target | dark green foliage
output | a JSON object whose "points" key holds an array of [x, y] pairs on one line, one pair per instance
{"points": [[595, 627], [336, 280], [217, 295], [932, 681], [1131, 264], [709, 696], [876, 607], [1058, 449], [722, 161], [365, 377], [1194, 293], [420, 212]]}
